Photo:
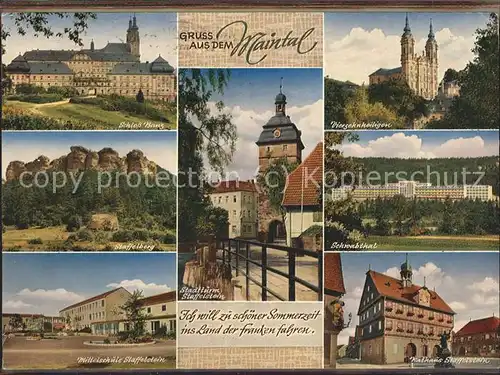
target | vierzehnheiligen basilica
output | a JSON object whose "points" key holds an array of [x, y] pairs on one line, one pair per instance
{"points": [[419, 71], [114, 69]]}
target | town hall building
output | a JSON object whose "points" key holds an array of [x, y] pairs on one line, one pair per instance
{"points": [[399, 320], [114, 69]]}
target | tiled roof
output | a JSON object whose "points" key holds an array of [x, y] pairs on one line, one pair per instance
{"points": [[392, 288], [230, 186], [142, 68], [49, 68], [159, 298], [48, 55], [485, 325], [95, 298], [160, 65], [386, 72], [334, 279], [289, 131], [307, 176]]}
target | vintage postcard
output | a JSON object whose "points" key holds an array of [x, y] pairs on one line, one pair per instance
{"points": [[86, 191], [89, 71], [250, 178], [91, 311], [411, 71], [422, 311], [412, 190]]}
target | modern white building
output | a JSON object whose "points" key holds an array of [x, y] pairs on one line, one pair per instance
{"points": [[104, 316], [413, 189]]}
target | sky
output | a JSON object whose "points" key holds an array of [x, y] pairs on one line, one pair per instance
{"points": [[468, 282], [250, 97], [423, 144], [45, 283], [157, 32], [357, 44], [26, 146]]}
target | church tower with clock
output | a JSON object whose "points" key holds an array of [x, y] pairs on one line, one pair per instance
{"points": [[280, 137]]}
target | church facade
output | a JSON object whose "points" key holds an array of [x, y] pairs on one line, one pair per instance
{"points": [[113, 69], [419, 71]]}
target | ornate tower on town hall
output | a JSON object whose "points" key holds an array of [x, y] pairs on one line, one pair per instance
{"points": [[420, 71], [133, 39], [280, 137]]}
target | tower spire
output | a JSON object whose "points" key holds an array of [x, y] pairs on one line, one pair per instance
{"points": [[431, 31], [407, 24], [424, 283], [281, 85], [134, 22]]}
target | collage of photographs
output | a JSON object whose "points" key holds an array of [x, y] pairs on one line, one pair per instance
{"points": [[245, 190]]}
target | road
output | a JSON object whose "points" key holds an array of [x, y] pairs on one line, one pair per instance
{"points": [[459, 362], [64, 352]]}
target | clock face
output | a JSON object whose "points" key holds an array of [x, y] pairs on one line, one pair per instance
{"points": [[277, 133]]}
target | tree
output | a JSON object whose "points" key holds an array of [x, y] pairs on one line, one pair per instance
{"points": [[273, 182], [336, 96], [68, 321], [451, 75], [47, 326], [397, 96], [359, 110], [139, 97], [135, 316], [477, 107], [342, 223], [39, 25], [16, 321], [203, 131]]}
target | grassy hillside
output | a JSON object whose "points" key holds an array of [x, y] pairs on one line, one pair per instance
{"points": [[80, 115]]}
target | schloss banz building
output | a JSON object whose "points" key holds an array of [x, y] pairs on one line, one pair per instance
{"points": [[113, 69]]}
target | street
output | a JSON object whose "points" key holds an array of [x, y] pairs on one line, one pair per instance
{"points": [[63, 352]]}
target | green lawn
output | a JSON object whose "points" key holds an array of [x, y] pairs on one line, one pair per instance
{"points": [[434, 243], [93, 115], [53, 238]]}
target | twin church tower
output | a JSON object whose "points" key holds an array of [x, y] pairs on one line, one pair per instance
{"points": [[420, 71]]}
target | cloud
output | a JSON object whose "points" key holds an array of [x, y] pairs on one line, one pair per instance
{"points": [[40, 301], [488, 284], [59, 294], [15, 305], [393, 272], [249, 123], [456, 305], [400, 145], [361, 52], [434, 276], [137, 284]]}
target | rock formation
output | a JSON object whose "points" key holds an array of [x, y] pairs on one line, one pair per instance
{"points": [[81, 159]]}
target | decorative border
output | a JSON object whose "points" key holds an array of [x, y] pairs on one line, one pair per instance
{"points": [[207, 5]]}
